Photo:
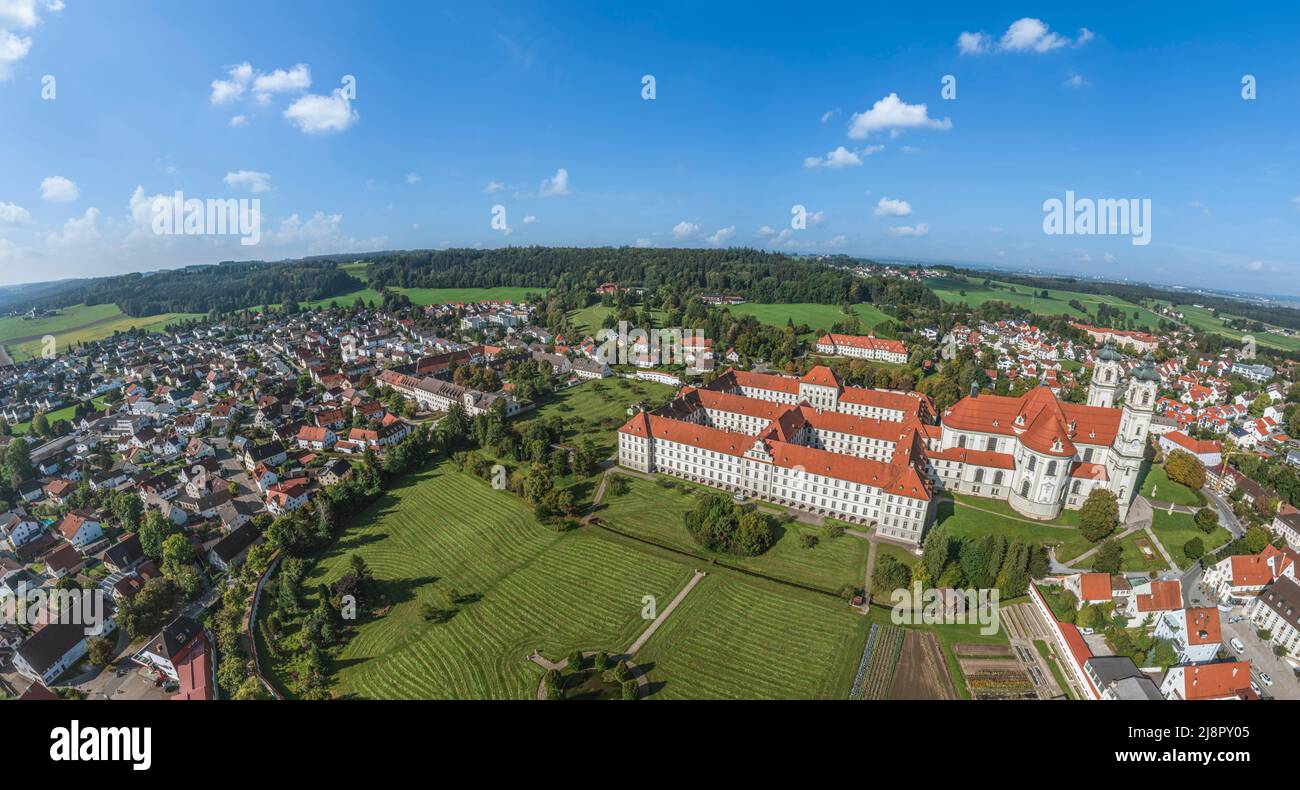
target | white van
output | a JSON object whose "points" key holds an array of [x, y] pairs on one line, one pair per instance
{"points": [[1237, 645]]}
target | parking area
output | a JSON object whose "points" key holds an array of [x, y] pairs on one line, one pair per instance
{"points": [[1260, 654]]}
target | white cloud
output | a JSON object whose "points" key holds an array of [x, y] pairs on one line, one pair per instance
{"points": [[295, 79], [1205, 210], [12, 49], [256, 182], [1296, 201], [888, 207], [224, 91], [685, 230], [893, 113], [973, 43], [238, 120], [529, 219], [21, 14], [78, 232], [493, 187], [12, 214], [839, 158], [1024, 35], [765, 231], [316, 114], [817, 217], [829, 114], [57, 189], [558, 186], [1256, 266], [642, 242], [919, 229], [835, 241], [412, 178], [722, 235], [1076, 81]]}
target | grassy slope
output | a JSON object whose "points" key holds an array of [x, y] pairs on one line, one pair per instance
{"points": [[538, 588], [655, 513]]}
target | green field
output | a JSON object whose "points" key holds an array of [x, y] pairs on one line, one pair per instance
{"points": [[1058, 302], [819, 317], [652, 512], [426, 296], [1204, 319], [965, 521], [1174, 530], [737, 638], [1166, 490], [733, 636], [76, 324], [537, 588]]}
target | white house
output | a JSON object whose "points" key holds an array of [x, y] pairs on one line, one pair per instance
{"points": [[1196, 633]]}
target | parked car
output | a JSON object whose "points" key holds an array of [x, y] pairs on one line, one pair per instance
{"points": [[1237, 645], [1268, 681], [1255, 688], [1087, 631], [1236, 618]]}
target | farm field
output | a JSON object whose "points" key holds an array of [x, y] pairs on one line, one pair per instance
{"points": [[1204, 319], [535, 588], [652, 512], [820, 317], [76, 324], [1058, 302], [1174, 530], [426, 296]]}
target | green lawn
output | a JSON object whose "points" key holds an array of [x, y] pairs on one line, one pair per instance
{"points": [[597, 409], [964, 520], [733, 637], [820, 317], [1174, 530], [1166, 490], [653, 512], [538, 588], [738, 638], [1132, 559]]}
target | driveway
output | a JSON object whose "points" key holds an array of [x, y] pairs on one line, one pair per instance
{"points": [[131, 682], [1226, 517]]}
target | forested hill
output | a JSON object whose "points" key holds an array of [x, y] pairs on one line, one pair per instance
{"points": [[200, 289], [756, 275]]}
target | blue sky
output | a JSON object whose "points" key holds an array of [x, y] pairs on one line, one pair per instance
{"points": [[545, 101]]}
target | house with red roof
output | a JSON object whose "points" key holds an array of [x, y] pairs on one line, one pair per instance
{"points": [[1196, 633], [1152, 600], [1238, 579], [1208, 452], [1226, 680], [81, 528]]}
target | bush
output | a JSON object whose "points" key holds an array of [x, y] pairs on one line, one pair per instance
{"points": [[621, 673], [601, 662], [1194, 549], [808, 540], [1206, 520], [575, 661], [630, 689]]}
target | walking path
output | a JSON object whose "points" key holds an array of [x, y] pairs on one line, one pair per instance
{"points": [[1139, 518], [646, 634]]}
